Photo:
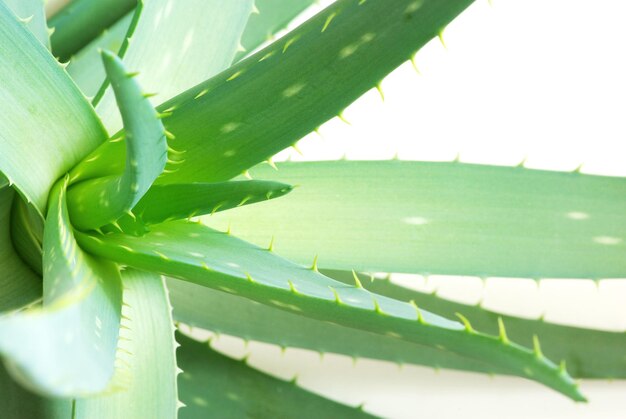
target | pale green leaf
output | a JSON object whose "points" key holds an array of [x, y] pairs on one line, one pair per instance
{"points": [[86, 68], [149, 346], [67, 347], [176, 45], [269, 17], [196, 253], [35, 94], [97, 202], [442, 218], [32, 14]]}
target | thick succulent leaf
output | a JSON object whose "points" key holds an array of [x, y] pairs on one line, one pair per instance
{"points": [[68, 346], [269, 17], [198, 254], [81, 21], [273, 98], [35, 94], [443, 218], [169, 36], [204, 307], [97, 202], [27, 234], [86, 68], [588, 353], [19, 285], [195, 199], [18, 403], [32, 13], [149, 345], [214, 385]]}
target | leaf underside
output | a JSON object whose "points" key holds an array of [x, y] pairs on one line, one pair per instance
{"points": [[212, 382]]}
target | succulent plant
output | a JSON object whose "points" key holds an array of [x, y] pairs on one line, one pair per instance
{"points": [[116, 201]]}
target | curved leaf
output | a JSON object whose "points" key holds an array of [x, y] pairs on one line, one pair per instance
{"points": [[275, 97], [67, 347], [97, 202], [35, 94], [19, 286], [196, 253]]}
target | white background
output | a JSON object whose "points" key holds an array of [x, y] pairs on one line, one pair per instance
{"points": [[538, 80]]}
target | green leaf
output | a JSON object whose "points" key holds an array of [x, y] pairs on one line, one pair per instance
{"points": [[19, 286], [27, 235], [195, 199], [269, 17], [212, 383], [32, 14], [204, 33], [273, 98], [233, 315], [97, 202], [18, 403], [588, 353], [35, 94], [86, 68], [67, 347], [83, 20], [442, 218], [198, 254], [149, 345]]}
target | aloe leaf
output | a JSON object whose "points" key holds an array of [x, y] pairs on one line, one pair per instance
{"points": [[212, 383], [18, 403], [97, 202], [83, 20], [269, 17], [67, 347], [151, 391], [588, 353], [34, 84], [198, 254], [19, 286], [86, 68], [205, 32], [27, 234], [273, 98], [443, 218], [204, 307], [32, 14], [195, 199]]}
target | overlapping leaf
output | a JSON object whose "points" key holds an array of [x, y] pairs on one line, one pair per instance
{"points": [[67, 347], [442, 218], [97, 202], [35, 94], [196, 253]]}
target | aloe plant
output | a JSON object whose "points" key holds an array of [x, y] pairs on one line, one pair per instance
{"points": [[165, 111]]}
